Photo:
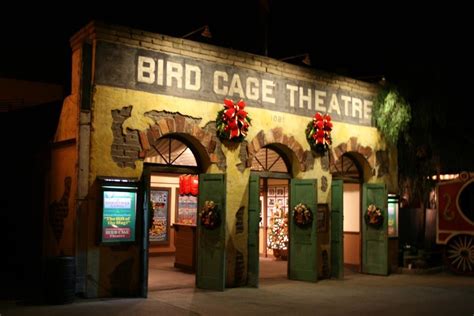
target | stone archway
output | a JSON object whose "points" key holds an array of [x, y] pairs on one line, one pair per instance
{"points": [[378, 161], [304, 157], [134, 145]]}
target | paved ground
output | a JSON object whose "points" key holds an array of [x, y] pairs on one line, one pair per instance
{"points": [[357, 294]]}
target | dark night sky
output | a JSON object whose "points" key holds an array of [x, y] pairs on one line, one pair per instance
{"points": [[424, 50]]}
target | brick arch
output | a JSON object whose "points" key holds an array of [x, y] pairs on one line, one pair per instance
{"points": [[276, 135], [135, 145], [352, 145], [175, 123]]}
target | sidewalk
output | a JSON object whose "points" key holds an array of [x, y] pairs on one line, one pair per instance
{"points": [[357, 294]]}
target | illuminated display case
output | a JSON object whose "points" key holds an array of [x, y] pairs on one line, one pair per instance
{"points": [[118, 216], [392, 211]]}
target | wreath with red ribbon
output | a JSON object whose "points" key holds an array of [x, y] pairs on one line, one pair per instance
{"points": [[302, 215], [318, 132], [373, 216], [209, 215], [232, 122]]}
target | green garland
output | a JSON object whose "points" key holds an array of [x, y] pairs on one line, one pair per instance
{"points": [[223, 133], [232, 122], [392, 114]]}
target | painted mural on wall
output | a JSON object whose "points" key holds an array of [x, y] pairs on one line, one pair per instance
{"points": [[144, 70]]}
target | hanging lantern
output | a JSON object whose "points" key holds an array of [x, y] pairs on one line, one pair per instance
{"points": [[195, 185], [187, 184], [181, 184]]}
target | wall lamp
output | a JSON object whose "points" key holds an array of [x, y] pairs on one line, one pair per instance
{"points": [[205, 32], [306, 60]]}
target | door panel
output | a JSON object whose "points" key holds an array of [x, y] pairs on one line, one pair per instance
{"points": [[303, 263], [145, 189], [210, 272], [375, 240], [254, 220], [337, 235]]}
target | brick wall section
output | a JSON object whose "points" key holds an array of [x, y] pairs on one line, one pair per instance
{"points": [[211, 53], [276, 135], [352, 145], [125, 148], [135, 145], [166, 123]]}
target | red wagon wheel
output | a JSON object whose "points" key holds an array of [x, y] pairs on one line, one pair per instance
{"points": [[460, 254]]}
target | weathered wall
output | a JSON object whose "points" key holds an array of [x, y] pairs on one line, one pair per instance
{"points": [[124, 115], [61, 213]]}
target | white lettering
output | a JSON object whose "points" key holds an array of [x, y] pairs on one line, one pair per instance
{"points": [[293, 89], [334, 104], [159, 73], [191, 70], [146, 69], [220, 89], [174, 71], [251, 88], [267, 91], [319, 100], [356, 107], [236, 86], [345, 99], [367, 109], [305, 98]]}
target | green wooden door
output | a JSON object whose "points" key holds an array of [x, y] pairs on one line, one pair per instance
{"points": [[254, 220], [302, 261], [145, 200], [374, 240], [337, 241], [210, 273]]}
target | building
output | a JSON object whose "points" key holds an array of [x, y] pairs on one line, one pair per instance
{"points": [[142, 113]]}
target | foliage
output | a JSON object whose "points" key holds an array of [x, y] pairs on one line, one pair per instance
{"points": [[419, 149], [232, 122], [373, 216], [392, 114], [209, 215], [318, 133], [302, 215]]}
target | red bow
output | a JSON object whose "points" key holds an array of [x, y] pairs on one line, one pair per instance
{"points": [[235, 118], [323, 127]]}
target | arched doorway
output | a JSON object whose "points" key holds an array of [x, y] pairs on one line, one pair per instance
{"points": [[272, 166], [349, 171], [171, 169], [355, 244]]}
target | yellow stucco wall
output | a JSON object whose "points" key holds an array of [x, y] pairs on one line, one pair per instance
{"points": [[63, 161], [107, 99], [103, 262]]}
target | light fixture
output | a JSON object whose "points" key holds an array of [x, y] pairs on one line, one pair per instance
{"points": [[306, 59], [205, 32]]}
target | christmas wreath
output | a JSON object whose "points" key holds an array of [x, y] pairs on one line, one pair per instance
{"points": [[373, 217], [318, 132], [209, 215], [302, 215], [232, 122]]}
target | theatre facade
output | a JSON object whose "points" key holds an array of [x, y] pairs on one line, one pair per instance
{"points": [[136, 162]]}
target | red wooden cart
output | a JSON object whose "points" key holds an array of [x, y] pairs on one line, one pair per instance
{"points": [[455, 222]]}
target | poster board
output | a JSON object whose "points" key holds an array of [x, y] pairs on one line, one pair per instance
{"points": [[118, 213], [187, 209], [160, 203]]}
